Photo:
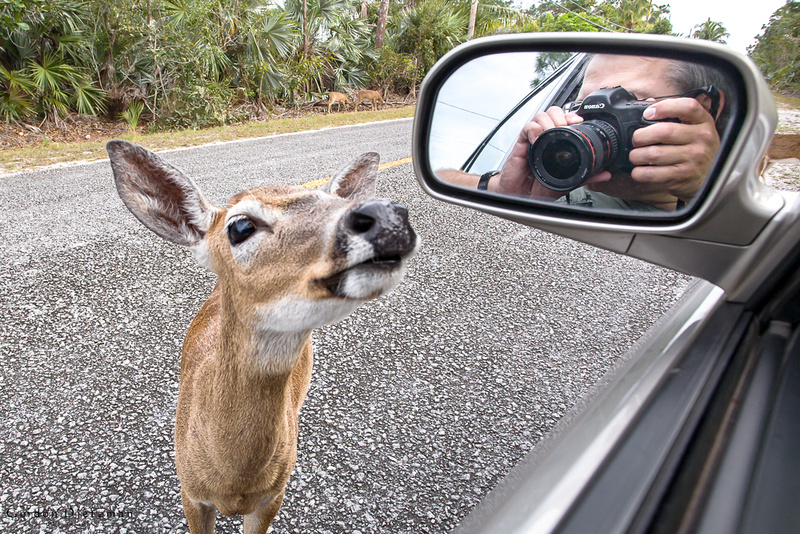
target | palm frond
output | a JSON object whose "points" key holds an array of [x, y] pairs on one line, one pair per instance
{"points": [[89, 99]]}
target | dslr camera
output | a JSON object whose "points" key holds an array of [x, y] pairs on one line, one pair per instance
{"points": [[564, 157]]}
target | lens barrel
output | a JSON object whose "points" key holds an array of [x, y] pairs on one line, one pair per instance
{"points": [[562, 158]]}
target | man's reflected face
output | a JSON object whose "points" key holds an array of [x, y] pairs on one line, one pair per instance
{"points": [[644, 77]]}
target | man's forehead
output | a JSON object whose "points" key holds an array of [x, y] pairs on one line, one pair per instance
{"points": [[643, 76]]}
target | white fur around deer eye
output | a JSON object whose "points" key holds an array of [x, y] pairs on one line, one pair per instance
{"points": [[254, 210], [244, 236]]}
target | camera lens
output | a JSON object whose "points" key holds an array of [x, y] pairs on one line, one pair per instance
{"points": [[563, 158]]}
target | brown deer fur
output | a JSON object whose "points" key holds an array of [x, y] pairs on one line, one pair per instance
{"points": [[338, 99], [365, 95], [784, 148]]}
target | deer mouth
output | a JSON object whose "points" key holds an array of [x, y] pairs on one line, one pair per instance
{"points": [[335, 283], [382, 262]]}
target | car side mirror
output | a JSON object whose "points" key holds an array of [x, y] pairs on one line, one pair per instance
{"points": [[619, 141]]}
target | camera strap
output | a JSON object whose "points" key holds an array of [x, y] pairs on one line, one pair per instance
{"points": [[711, 92]]}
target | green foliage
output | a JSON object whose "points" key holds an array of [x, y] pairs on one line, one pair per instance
{"points": [[196, 106], [428, 31], [16, 90], [710, 31], [41, 54], [132, 114], [638, 16], [546, 64], [13, 15], [570, 22], [185, 61], [305, 79], [496, 16], [777, 49], [394, 71], [334, 46]]}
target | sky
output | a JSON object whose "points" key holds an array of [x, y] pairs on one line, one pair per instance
{"points": [[742, 19]]}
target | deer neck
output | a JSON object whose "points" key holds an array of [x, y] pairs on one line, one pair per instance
{"points": [[252, 379], [257, 351]]}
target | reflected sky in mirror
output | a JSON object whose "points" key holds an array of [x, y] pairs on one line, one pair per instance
{"points": [[469, 105]]}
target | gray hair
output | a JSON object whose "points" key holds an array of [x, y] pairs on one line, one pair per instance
{"points": [[687, 76]]}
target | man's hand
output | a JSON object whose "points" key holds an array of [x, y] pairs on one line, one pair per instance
{"points": [[516, 177], [675, 157]]}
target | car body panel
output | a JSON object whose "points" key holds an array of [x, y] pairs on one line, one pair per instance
{"points": [[558, 474]]}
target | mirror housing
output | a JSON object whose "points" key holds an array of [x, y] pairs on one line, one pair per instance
{"points": [[711, 238]]}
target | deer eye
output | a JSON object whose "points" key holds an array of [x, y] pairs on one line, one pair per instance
{"points": [[239, 230]]}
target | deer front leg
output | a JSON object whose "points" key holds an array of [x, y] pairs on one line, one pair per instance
{"points": [[258, 521], [201, 517]]}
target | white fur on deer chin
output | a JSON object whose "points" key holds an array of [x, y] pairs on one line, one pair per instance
{"points": [[293, 313], [365, 282]]}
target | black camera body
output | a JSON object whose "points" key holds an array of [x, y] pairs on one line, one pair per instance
{"points": [[564, 157]]}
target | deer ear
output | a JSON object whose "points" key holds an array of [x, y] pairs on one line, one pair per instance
{"points": [[163, 198], [356, 180]]}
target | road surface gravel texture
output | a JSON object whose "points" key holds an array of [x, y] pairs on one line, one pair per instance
{"points": [[419, 403]]}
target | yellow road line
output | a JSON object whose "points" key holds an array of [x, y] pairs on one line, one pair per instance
{"points": [[394, 163], [316, 183], [323, 181]]}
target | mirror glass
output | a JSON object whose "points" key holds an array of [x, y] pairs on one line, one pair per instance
{"points": [[618, 133]]}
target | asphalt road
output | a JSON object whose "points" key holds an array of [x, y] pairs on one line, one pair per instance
{"points": [[419, 403]]}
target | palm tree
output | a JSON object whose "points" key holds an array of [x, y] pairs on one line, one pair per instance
{"points": [[632, 15], [268, 40], [710, 31], [473, 14], [380, 27], [427, 31], [495, 16], [335, 46], [194, 58]]}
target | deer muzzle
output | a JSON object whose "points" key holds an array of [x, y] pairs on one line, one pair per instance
{"points": [[376, 238]]}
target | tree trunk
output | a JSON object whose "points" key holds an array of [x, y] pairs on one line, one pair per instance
{"points": [[473, 14], [305, 28], [380, 30]]}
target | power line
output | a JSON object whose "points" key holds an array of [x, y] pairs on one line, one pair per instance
{"points": [[598, 16], [589, 21]]}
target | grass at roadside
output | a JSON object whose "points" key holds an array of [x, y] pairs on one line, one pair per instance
{"points": [[790, 101], [50, 153]]}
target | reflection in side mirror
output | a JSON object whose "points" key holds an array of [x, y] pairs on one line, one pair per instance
{"points": [[619, 133]]}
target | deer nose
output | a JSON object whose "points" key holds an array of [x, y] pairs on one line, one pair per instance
{"points": [[384, 224]]}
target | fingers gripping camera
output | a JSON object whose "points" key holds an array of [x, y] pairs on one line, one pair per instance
{"points": [[563, 158]]}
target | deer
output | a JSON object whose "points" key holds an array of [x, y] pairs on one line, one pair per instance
{"points": [[366, 95], [338, 98], [288, 259]]}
